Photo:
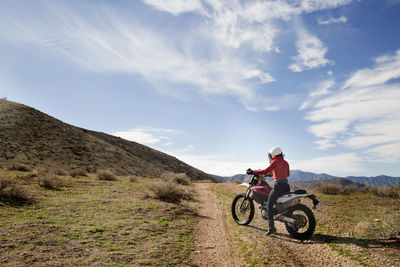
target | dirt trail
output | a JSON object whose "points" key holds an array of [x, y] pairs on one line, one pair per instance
{"points": [[215, 246], [213, 237]]}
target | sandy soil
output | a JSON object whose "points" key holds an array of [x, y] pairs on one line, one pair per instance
{"points": [[213, 237]]}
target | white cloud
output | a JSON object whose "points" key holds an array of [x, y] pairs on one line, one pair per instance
{"points": [[389, 153], [124, 45], [311, 51], [387, 68], [364, 114], [218, 164], [119, 43], [331, 20], [147, 136], [176, 7], [339, 164], [321, 89]]}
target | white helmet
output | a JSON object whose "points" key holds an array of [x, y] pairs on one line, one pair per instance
{"points": [[275, 151]]}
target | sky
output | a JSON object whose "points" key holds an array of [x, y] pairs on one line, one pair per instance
{"points": [[217, 83]]}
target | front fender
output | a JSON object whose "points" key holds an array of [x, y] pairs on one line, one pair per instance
{"points": [[245, 184]]}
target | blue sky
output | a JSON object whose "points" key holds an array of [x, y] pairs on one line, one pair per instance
{"points": [[216, 83]]}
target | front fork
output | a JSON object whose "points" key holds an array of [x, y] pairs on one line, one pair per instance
{"points": [[247, 196]]}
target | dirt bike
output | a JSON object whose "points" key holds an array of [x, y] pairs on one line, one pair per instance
{"points": [[298, 218]]}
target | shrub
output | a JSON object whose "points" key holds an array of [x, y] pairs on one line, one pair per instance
{"points": [[392, 191], [390, 225], [189, 207], [363, 228], [106, 176], [34, 173], [132, 179], [169, 192], [177, 178], [327, 188], [60, 172], [19, 167], [12, 192], [49, 182], [78, 173]]}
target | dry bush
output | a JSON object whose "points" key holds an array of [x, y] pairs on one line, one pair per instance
{"points": [[387, 191], [132, 179], [169, 192], [106, 175], [13, 192], [60, 172], [349, 189], [78, 173], [34, 173], [50, 182], [19, 167], [363, 228], [327, 188], [189, 207], [390, 225], [333, 189], [177, 178]]}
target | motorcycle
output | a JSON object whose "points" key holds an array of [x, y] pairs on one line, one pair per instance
{"points": [[299, 219]]}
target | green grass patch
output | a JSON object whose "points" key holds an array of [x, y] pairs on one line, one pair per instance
{"points": [[95, 222]]}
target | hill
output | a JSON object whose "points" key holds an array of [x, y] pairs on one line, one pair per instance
{"points": [[32, 138], [306, 179]]}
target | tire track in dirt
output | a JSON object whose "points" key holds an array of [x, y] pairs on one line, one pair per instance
{"points": [[283, 250], [214, 245]]}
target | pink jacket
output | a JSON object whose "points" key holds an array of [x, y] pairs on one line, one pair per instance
{"points": [[279, 168]]}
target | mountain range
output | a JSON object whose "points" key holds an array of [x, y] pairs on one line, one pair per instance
{"points": [[39, 141], [301, 176]]}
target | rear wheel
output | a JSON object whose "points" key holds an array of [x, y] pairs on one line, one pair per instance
{"points": [[304, 226], [242, 209]]}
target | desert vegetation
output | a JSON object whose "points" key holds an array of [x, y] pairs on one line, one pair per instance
{"points": [[19, 167], [169, 192], [334, 189], [106, 175], [13, 192], [91, 222], [50, 182], [177, 178]]}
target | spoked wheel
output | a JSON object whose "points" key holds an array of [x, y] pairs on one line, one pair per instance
{"points": [[304, 226], [242, 209]]}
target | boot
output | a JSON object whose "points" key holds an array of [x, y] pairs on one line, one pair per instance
{"points": [[271, 230]]}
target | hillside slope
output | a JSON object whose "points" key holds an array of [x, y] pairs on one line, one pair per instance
{"points": [[33, 138]]}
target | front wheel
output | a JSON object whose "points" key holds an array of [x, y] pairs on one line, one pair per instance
{"points": [[242, 209], [304, 226]]}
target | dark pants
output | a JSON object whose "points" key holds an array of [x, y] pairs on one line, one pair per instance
{"points": [[280, 188]]}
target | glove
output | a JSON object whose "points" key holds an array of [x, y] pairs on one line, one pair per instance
{"points": [[249, 171], [269, 174]]}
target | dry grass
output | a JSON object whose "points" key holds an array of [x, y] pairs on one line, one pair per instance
{"points": [[327, 188], [13, 192], [92, 223], [60, 172], [50, 182], [19, 167], [132, 179], [78, 173], [387, 191], [177, 178], [189, 207], [169, 192], [389, 226], [364, 228], [106, 175], [333, 189]]}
